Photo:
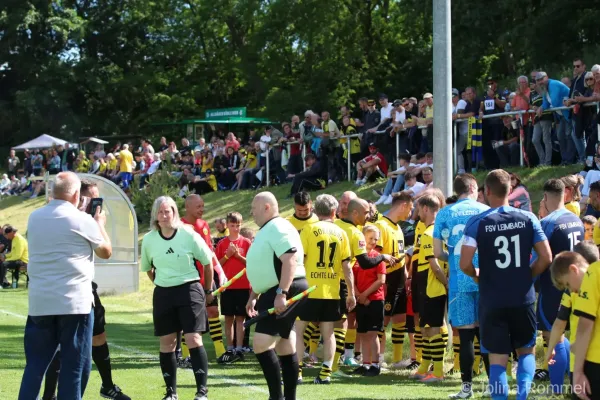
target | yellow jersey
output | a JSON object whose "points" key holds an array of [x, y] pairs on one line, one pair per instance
{"points": [[300, 223], [391, 241], [574, 207], [435, 288], [112, 164], [596, 235], [358, 244], [126, 161], [566, 306], [251, 161], [223, 234], [326, 247], [588, 306]]}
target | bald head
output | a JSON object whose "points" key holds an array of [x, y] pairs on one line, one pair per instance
{"points": [[194, 208], [358, 211], [346, 198], [264, 208], [67, 186]]}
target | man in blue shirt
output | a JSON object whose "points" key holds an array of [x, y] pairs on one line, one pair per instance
{"points": [[506, 236], [563, 230], [463, 300], [554, 93]]}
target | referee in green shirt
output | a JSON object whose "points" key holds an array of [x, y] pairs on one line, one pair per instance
{"points": [[275, 269], [169, 252]]}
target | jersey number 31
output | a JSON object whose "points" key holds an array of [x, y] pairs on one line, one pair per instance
{"points": [[506, 256]]}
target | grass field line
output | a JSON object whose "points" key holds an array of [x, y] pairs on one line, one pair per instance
{"points": [[155, 358]]}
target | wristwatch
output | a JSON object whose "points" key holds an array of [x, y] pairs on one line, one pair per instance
{"points": [[208, 291], [281, 291]]}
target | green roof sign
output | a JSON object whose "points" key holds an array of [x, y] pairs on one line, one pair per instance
{"points": [[225, 113]]}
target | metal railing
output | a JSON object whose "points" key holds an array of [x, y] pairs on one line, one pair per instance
{"points": [[520, 113]]}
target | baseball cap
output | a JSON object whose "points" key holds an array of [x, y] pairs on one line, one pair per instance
{"points": [[455, 92], [540, 75], [397, 103], [372, 144], [371, 102], [427, 96], [382, 96], [490, 79]]}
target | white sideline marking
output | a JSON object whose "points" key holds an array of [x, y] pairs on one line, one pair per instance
{"points": [[235, 382]]}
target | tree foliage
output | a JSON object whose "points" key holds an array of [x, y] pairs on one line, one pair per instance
{"points": [[73, 68]]}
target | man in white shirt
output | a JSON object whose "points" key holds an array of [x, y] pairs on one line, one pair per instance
{"points": [[386, 114], [462, 129], [412, 185], [61, 269], [395, 181]]}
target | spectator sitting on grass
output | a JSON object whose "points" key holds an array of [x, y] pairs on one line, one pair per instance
{"points": [[411, 186], [519, 196], [371, 167], [395, 181]]}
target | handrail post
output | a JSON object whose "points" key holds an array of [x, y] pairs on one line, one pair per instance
{"points": [[521, 135], [303, 156], [397, 163], [349, 161], [455, 152], [267, 166]]}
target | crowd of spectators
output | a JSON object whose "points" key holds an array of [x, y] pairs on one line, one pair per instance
{"points": [[314, 151]]}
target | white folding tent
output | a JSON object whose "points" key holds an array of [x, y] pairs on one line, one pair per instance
{"points": [[41, 142], [120, 273]]}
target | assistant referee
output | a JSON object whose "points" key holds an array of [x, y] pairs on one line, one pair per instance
{"points": [[179, 301], [275, 269]]}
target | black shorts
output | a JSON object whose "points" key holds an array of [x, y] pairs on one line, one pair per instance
{"points": [[233, 302], [369, 318], [410, 324], [280, 325], [321, 310], [395, 294], [592, 372], [179, 308], [215, 286], [343, 297], [99, 317], [420, 294], [414, 288], [505, 329], [433, 310]]}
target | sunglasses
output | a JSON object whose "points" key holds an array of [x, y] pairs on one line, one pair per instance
{"points": [[589, 79]]}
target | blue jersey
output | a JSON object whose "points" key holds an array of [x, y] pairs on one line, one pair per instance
{"points": [[563, 230], [449, 227], [505, 237]]}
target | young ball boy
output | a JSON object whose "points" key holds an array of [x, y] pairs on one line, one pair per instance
{"points": [[370, 301], [231, 252]]}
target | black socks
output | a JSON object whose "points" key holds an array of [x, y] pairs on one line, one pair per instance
{"points": [[200, 368], [168, 366], [467, 353], [289, 372], [270, 366], [101, 357]]}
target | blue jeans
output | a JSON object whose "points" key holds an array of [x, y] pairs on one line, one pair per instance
{"points": [[42, 336], [579, 142], [393, 185], [565, 138]]}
